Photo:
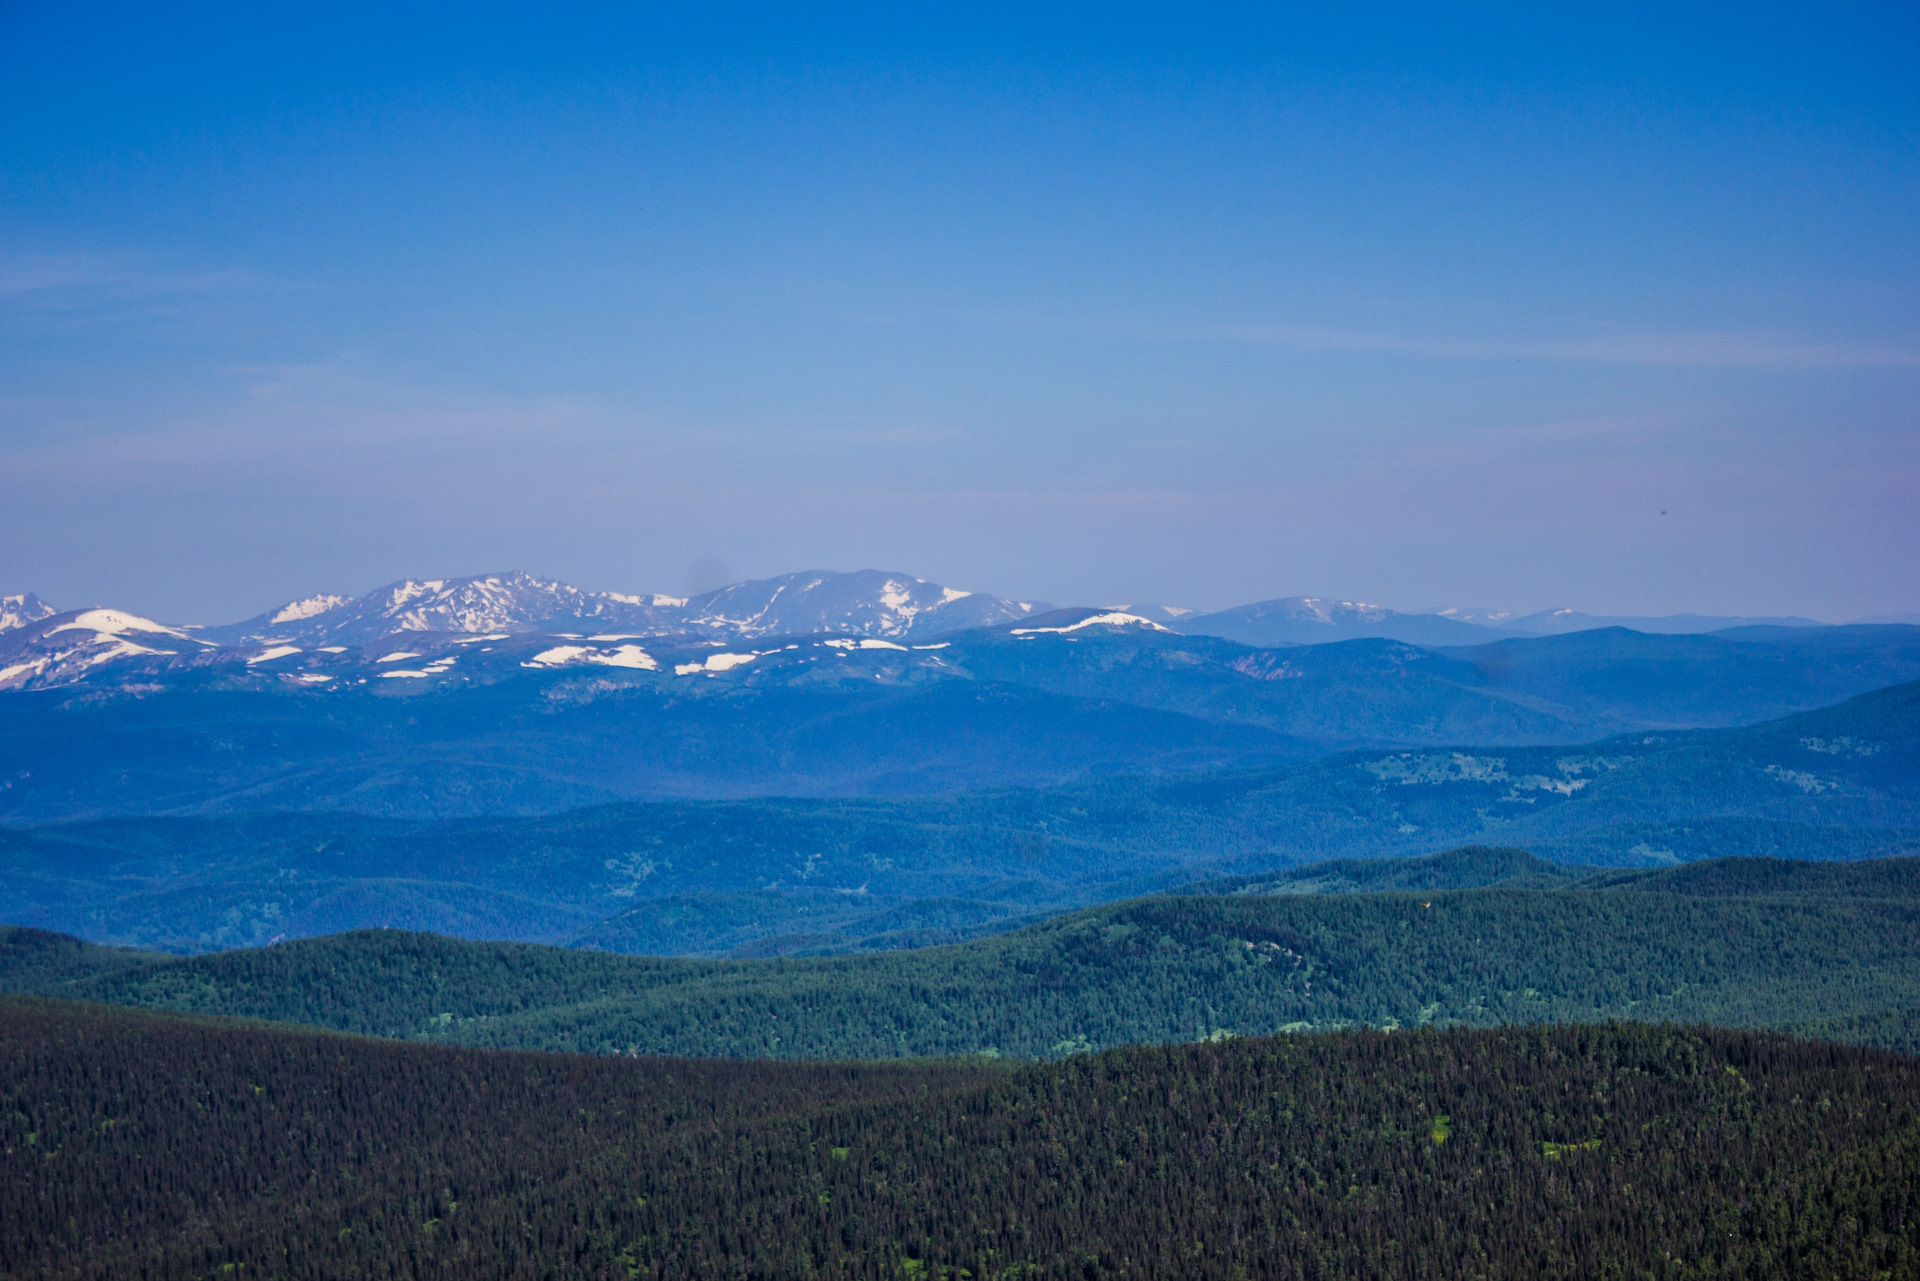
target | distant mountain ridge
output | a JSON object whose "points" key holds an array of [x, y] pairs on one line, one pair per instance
{"points": [[105, 713], [41, 648], [1559, 622], [866, 603], [506, 603], [1312, 620]]}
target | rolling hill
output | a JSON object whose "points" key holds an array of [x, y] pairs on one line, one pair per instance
{"points": [[1743, 943], [793, 875]]}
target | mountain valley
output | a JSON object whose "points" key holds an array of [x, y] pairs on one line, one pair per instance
{"points": [[797, 874]]}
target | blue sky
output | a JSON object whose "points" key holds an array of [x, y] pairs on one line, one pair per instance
{"points": [[1616, 308]]}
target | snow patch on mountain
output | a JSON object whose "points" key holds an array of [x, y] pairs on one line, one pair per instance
{"points": [[311, 607], [629, 656], [870, 602], [268, 655], [626, 656], [113, 623], [1157, 613], [1096, 620], [1478, 615], [558, 656]]}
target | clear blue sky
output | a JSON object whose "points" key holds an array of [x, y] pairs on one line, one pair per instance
{"points": [[1414, 304]]}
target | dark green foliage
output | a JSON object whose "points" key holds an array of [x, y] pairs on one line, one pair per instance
{"points": [[1897, 1029], [1468, 868], [1883, 879], [139, 1145], [786, 924], [35, 961], [1761, 945], [380, 982]]}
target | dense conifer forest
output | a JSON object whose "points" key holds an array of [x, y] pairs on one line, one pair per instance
{"points": [[161, 1146], [1829, 948]]}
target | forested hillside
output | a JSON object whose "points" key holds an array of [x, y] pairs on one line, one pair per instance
{"points": [[1467, 868], [793, 875], [134, 1144], [1745, 944]]}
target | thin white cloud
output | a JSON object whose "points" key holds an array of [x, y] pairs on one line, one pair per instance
{"points": [[60, 278], [1715, 349], [1720, 350], [348, 424], [42, 275]]}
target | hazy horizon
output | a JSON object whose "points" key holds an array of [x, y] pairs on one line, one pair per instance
{"points": [[1493, 616], [1502, 308]]}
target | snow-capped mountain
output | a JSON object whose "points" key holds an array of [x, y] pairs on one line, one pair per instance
{"points": [[1312, 620], [868, 603], [43, 650], [489, 625], [23, 610], [1166, 615], [1480, 616], [505, 603], [68, 647]]}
